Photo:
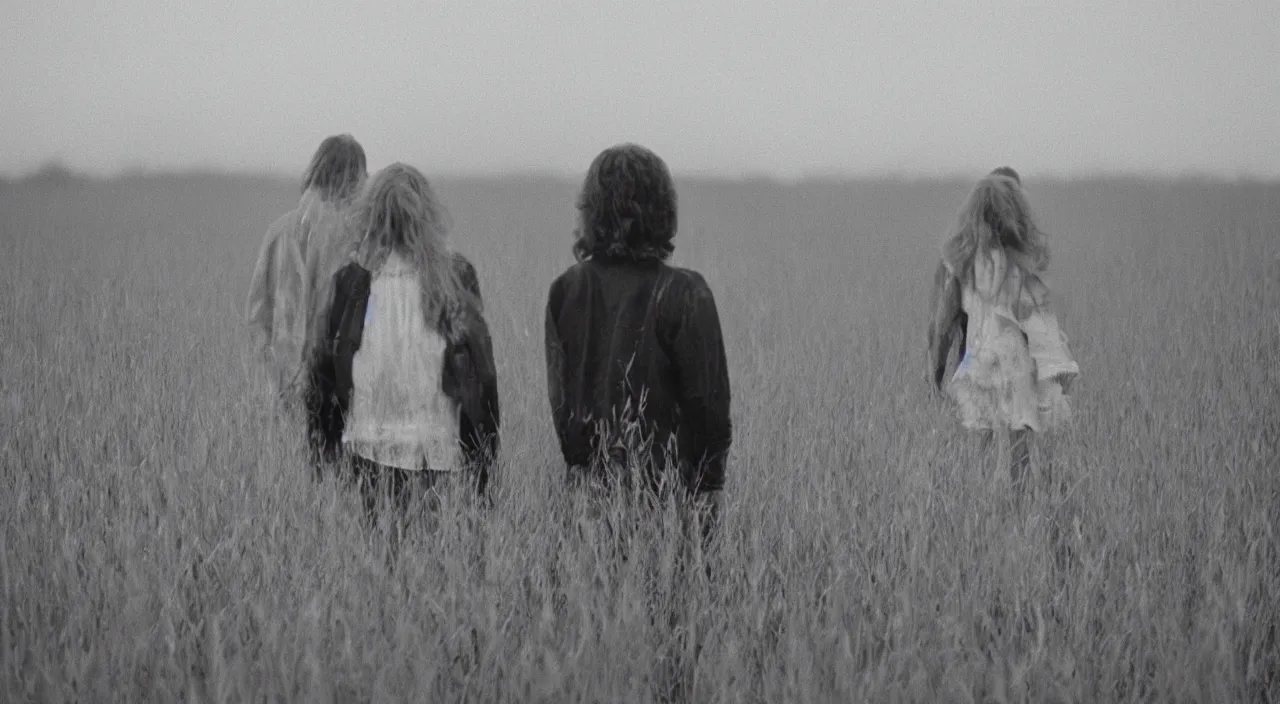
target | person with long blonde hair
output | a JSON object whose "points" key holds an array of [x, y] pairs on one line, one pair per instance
{"points": [[406, 384], [990, 295], [289, 291]]}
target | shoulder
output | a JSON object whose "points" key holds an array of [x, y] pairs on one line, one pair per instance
{"points": [[945, 283], [570, 277], [352, 276], [466, 273], [688, 281], [277, 242], [463, 266], [687, 293], [945, 274], [577, 271], [280, 227], [351, 287], [311, 212]]}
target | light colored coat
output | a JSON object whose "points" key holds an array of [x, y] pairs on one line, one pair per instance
{"points": [[292, 287]]}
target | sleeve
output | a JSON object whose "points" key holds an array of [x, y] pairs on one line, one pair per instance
{"points": [[1046, 342], [346, 326], [946, 319], [561, 414], [276, 308], [481, 421], [474, 378], [260, 305], [468, 280], [703, 373], [329, 394]]}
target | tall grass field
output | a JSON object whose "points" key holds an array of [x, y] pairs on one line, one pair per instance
{"points": [[164, 540]]}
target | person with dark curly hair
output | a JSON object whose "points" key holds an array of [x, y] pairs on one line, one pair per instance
{"points": [[636, 369]]}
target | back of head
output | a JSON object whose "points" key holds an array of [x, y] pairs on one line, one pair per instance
{"points": [[1007, 172], [400, 214], [996, 223], [627, 207], [337, 169]]}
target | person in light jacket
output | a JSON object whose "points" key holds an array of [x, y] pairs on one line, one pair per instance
{"points": [[290, 289]]}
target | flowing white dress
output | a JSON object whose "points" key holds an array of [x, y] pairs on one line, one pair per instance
{"points": [[1015, 354]]}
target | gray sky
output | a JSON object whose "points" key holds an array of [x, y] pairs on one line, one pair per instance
{"points": [[732, 87]]}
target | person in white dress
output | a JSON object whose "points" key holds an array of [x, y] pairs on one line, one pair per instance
{"points": [[1014, 369]]}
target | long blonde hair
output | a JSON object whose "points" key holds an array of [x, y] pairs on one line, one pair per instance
{"points": [[997, 218], [400, 212]]}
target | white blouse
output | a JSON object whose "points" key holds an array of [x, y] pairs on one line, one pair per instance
{"points": [[399, 416]]}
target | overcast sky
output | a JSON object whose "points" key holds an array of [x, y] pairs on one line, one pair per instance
{"points": [[733, 87]]}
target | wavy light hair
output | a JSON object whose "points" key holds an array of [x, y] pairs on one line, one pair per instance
{"points": [[627, 207], [337, 169], [400, 212], [996, 217]]}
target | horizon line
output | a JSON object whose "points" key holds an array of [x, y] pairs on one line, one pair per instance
{"points": [[55, 170]]}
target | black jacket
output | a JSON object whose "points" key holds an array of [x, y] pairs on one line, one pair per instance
{"points": [[638, 345], [469, 377]]}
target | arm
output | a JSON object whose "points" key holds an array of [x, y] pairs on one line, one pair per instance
{"points": [[1046, 343], [703, 373], [555, 358], [330, 394], [946, 320], [276, 308], [480, 422], [468, 280], [481, 417], [260, 304], [489, 369], [346, 327]]}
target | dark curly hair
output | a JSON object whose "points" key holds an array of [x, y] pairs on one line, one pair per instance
{"points": [[337, 170], [627, 207]]}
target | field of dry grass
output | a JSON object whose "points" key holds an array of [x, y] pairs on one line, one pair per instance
{"points": [[163, 541]]}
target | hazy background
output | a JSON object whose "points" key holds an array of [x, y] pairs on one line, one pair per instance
{"points": [[160, 537], [725, 88]]}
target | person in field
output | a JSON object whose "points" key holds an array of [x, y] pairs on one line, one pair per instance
{"points": [[1014, 370], [406, 390], [636, 370], [290, 289]]}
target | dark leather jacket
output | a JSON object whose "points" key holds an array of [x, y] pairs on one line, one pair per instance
{"points": [[469, 377], [636, 370]]}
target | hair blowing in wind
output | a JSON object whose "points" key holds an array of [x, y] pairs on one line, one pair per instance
{"points": [[401, 213], [996, 216]]}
